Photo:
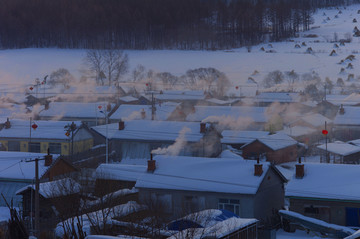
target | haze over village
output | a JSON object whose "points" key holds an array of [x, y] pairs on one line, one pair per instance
{"points": [[189, 119]]}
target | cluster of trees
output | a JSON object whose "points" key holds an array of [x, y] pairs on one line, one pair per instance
{"points": [[157, 24]]}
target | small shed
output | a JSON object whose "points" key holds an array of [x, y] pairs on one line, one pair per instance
{"points": [[340, 152]]}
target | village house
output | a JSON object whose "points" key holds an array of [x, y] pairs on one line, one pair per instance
{"points": [[275, 148], [230, 117], [329, 192], [60, 137], [340, 152], [236, 138], [346, 124], [139, 138], [52, 196], [158, 111], [264, 99], [17, 171], [182, 185], [91, 114]]}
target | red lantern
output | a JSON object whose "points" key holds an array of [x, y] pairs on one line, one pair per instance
{"points": [[325, 132], [34, 126], [31, 88], [67, 134], [237, 87], [99, 107], [147, 84]]}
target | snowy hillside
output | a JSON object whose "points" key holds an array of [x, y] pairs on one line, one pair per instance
{"points": [[24, 65]]}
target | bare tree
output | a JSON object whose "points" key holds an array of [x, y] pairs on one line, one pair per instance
{"points": [[116, 64], [138, 74], [94, 60], [273, 78], [168, 80], [110, 64]]}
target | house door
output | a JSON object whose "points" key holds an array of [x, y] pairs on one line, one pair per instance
{"points": [[353, 217]]}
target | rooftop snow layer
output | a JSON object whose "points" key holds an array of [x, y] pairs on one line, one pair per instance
{"points": [[327, 181], [152, 130], [340, 148], [197, 174]]}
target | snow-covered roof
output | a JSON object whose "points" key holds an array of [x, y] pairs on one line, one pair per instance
{"points": [[133, 112], [340, 148], [52, 189], [152, 130], [297, 131], [281, 97], [58, 110], [198, 174], [316, 119], [241, 137], [13, 165], [336, 99], [351, 116], [181, 95], [128, 98], [229, 154], [45, 129], [276, 141], [352, 99], [354, 142], [120, 171], [217, 113], [328, 181], [222, 102]]}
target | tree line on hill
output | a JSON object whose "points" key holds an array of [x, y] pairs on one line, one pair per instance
{"points": [[156, 24]]}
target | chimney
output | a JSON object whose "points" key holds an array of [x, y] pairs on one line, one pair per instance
{"points": [[47, 104], [342, 110], [202, 127], [48, 158], [121, 125], [299, 169], [7, 124], [143, 114], [258, 168], [151, 164]]}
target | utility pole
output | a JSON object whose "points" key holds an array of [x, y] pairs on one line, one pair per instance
{"points": [[37, 198], [153, 109], [70, 129]]}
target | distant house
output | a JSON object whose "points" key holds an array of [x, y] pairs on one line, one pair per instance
{"points": [[276, 148], [346, 124], [328, 192], [326, 108], [128, 112], [139, 138], [128, 100], [88, 113], [187, 184], [39, 136], [231, 117], [340, 152], [237, 139], [267, 98]]}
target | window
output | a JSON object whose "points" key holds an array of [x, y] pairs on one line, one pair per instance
{"points": [[232, 205], [34, 147], [13, 146], [55, 148]]}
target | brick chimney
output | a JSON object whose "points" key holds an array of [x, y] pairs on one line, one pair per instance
{"points": [[151, 164], [7, 124], [121, 125], [258, 168], [342, 110], [143, 114], [299, 169], [202, 127], [48, 158]]}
